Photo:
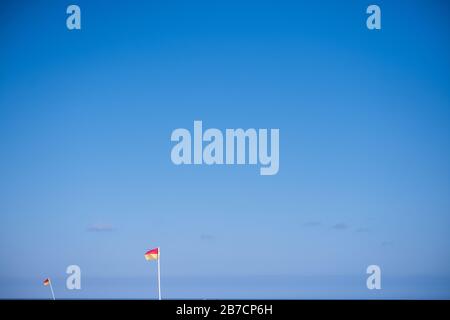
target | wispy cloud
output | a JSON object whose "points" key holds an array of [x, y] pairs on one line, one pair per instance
{"points": [[207, 237], [340, 226], [362, 229], [100, 228], [387, 243]]}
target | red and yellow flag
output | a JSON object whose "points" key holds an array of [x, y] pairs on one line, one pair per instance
{"points": [[152, 254], [46, 282]]}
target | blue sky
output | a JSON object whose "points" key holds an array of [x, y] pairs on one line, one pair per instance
{"points": [[86, 118]]}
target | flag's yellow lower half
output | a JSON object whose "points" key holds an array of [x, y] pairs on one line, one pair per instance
{"points": [[151, 256]]}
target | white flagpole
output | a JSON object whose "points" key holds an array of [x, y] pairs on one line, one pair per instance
{"points": [[51, 288], [159, 274]]}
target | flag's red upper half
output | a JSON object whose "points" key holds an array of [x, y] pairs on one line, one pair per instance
{"points": [[153, 251]]}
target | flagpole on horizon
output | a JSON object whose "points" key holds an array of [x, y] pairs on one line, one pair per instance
{"points": [[51, 289], [159, 274], [154, 254]]}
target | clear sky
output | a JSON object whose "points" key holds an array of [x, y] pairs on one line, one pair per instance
{"points": [[86, 117]]}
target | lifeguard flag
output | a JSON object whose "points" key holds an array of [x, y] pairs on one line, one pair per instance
{"points": [[46, 282], [152, 254]]}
